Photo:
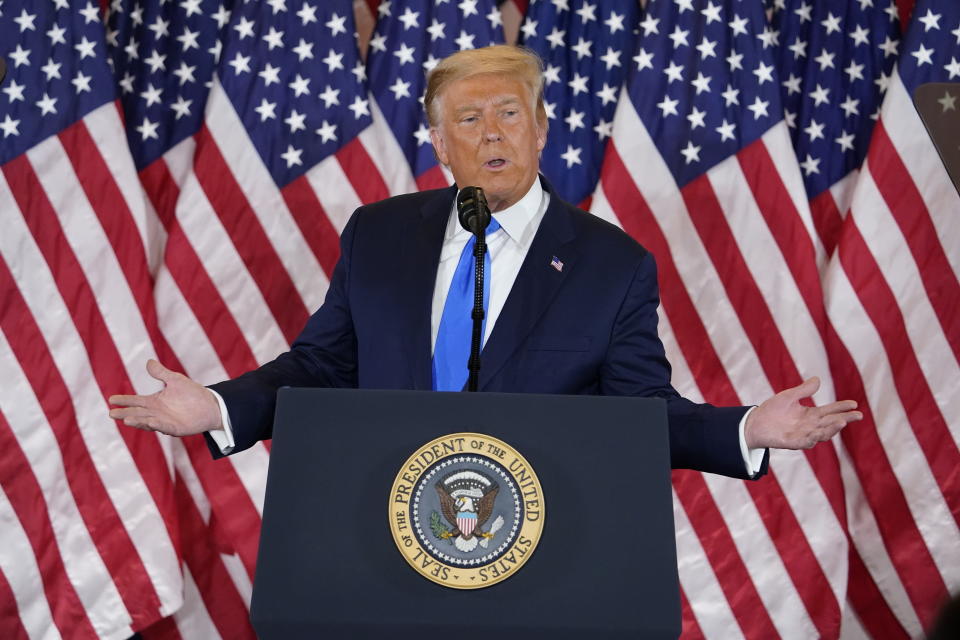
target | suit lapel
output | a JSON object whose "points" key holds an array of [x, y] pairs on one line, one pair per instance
{"points": [[420, 274], [536, 285]]}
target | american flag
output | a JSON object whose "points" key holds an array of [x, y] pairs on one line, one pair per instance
{"points": [[411, 36], [701, 171], [195, 218], [585, 48]]}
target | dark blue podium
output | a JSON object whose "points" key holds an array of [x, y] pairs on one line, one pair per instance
{"points": [[605, 566]]}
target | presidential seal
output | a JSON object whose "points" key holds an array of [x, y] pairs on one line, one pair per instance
{"points": [[466, 510]]}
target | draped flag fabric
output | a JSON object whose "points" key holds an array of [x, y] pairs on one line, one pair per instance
{"points": [[174, 177]]}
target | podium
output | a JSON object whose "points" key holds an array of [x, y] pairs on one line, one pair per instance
{"points": [[604, 567]]}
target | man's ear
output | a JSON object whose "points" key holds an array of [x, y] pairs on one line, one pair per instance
{"points": [[439, 148], [542, 126]]}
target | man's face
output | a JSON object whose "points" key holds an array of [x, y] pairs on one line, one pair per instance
{"points": [[489, 137]]}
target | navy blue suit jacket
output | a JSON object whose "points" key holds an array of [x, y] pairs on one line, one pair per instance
{"points": [[590, 328]]}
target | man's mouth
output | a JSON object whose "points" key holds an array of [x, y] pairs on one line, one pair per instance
{"points": [[495, 163]]}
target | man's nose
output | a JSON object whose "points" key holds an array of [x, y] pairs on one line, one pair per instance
{"points": [[492, 131]]}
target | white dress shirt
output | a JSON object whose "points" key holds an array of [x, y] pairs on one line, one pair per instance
{"points": [[508, 247]]}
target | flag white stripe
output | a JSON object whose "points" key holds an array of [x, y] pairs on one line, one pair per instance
{"points": [[385, 151], [334, 191], [192, 619], [842, 191], [778, 145], [179, 161], [184, 334], [104, 125], [600, 207]]}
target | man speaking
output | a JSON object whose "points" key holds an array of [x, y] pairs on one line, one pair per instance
{"points": [[571, 306]]}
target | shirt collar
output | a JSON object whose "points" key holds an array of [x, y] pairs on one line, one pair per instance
{"points": [[514, 220]]}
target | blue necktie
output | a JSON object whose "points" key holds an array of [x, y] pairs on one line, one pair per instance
{"points": [[452, 350]]}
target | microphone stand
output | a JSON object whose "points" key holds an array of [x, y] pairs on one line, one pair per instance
{"points": [[479, 249]]}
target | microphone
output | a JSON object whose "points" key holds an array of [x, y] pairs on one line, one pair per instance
{"points": [[3, 69], [474, 216], [472, 210]]}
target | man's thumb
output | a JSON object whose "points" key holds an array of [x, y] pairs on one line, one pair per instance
{"points": [[808, 387], [158, 371]]}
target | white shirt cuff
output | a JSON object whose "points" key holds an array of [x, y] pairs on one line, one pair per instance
{"points": [[752, 458], [224, 438]]}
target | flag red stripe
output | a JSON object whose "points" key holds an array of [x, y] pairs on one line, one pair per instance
{"points": [[11, 626], [236, 514], [248, 237], [637, 220], [314, 223], [96, 508], [433, 178], [780, 213], [26, 498], [362, 172], [912, 216], [732, 574], [163, 629], [689, 629], [905, 545], [223, 602], [926, 420], [187, 270], [871, 607], [827, 220]]}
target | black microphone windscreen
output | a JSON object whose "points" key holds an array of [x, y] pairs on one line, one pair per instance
{"points": [[472, 209]]}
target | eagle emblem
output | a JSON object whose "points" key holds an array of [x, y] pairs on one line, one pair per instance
{"points": [[466, 501]]}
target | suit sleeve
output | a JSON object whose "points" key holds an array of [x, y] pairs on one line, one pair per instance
{"points": [[323, 355], [702, 436]]}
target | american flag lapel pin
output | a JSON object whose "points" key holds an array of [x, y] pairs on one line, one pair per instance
{"points": [[556, 264]]}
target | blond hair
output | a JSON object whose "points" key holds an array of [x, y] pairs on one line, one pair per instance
{"points": [[501, 59]]}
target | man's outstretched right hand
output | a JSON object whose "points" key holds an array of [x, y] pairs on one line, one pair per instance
{"points": [[182, 408]]}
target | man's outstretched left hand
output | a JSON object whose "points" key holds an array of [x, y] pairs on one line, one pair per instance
{"points": [[781, 422]]}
